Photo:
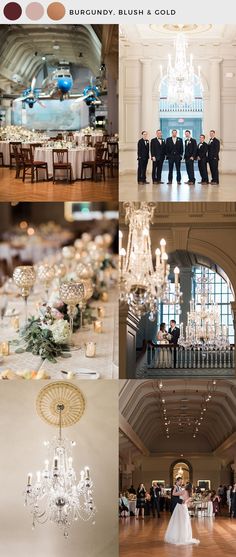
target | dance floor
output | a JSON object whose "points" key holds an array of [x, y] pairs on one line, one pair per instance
{"points": [[144, 538], [131, 191], [15, 190]]}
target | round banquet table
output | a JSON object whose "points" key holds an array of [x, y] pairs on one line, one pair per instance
{"points": [[75, 156]]}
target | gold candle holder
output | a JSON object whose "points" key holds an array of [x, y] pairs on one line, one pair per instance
{"points": [[101, 311], [104, 297], [24, 277], [90, 349], [5, 348], [46, 274], [97, 326], [71, 293]]}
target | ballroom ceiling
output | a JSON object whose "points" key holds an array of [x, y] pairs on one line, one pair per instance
{"points": [[143, 415], [199, 34], [23, 47]]}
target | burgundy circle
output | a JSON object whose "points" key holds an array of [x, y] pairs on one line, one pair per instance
{"points": [[12, 11]]}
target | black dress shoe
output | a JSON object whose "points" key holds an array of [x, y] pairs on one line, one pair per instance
{"points": [[146, 182], [169, 183], [201, 182], [161, 182], [179, 183], [187, 182]]}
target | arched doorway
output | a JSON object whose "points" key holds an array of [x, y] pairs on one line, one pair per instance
{"points": [[181, 117], [181, 468]]}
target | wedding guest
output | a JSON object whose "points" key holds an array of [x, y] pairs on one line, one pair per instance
{"points": [[123, 505], [155, 493], [158, 151], [141, 500], [213, 157], [202, 150], [190, 153], [233, 502], [143, 156], [132, 490], [174, 153], [216, 503]]}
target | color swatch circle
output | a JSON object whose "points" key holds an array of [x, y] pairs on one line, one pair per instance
{"points": [[56, 11], [34, 11], [12, 11]]}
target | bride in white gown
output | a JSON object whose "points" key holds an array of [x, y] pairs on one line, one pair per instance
{"points": [[179, 530]]}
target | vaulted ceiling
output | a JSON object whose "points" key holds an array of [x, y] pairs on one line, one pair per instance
{"points": [[23, 47], [185, 406]]}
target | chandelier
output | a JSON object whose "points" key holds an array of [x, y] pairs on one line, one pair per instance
{"points": [[55, 494], [142, 285], [180, 77], [203, 320]]}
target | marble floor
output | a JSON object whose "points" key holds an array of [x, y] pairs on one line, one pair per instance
{"points": [[129, 190], [145, 538]]}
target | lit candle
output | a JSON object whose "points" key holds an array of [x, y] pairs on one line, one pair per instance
{"points": [[82, 475], [70, 461], [38, 477], [97, 326], [104, 296], [164, 261], [90, 349], [176, 273], [120, 240], [46, 465], [101, 311], [163, 245], [15, 323], [29, 479], [158, 257], [5, 348]]}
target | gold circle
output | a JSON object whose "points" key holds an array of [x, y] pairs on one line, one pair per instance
{"points": [[60, 393], [56, 11]]}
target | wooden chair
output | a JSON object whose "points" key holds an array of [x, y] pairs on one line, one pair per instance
{"points": [[60, 162], [34, 146], [112, 156], [30, 166], [11, 152], [98, 164], [88, 140], [19, 161], [1, 159]]}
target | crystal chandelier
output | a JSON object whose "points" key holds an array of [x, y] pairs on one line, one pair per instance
{"points": [[55, 494], [180, 77], [203, 320], [141, 285]]}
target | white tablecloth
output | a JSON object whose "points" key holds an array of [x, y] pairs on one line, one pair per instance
{"points": [[75, 156], [105, 363], [4, 148]]}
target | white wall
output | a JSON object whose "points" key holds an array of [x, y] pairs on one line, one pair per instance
{"points": [[21, 436]]}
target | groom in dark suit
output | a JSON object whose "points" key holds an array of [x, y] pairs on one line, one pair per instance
{"points": [[175, 499], [174, 153], [174, 332], [143, 156], [158, 151]]}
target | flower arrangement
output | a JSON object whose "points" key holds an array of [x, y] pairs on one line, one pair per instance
{"points": [[42, 341]]}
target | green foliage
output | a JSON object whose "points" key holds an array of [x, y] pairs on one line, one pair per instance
{"points": [[39, 341]]}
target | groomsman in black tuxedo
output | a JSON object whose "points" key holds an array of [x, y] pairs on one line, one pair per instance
{"points": [[213, 157], [158, 151], [143, 156], [174, 153], [190, 152], [202, 150]]}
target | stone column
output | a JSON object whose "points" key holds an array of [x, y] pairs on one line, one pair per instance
{"points": [[146, 95], [233, 307], [127, 342], [215, 89]]}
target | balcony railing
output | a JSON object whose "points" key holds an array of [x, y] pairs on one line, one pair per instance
{"points": [[195, 106], [177, 357]]}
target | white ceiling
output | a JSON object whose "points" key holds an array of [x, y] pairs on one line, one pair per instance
{"points": [[141, 406], [195, 34], [21, 439]]}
